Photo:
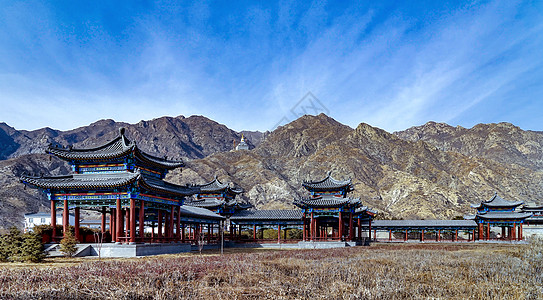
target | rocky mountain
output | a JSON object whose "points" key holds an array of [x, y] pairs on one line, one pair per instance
{"points": [[179, 137], [400, 178], [431, 171], [502, 142]]}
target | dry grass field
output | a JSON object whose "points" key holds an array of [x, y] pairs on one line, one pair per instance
{"points": [[381, 271]]}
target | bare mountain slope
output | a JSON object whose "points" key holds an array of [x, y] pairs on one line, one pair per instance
{"points": [[502, 142]]}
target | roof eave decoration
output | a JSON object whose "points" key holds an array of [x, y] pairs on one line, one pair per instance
{"points": [[216, 186], [118, 147], [80, 181], [166, 187], [162, 163], [328, 183]]}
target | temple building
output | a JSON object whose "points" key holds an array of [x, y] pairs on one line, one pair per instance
{"points": [[329, 214], [497, 212], [218, 197], [242, 144], [537, 213], [128, 184]]}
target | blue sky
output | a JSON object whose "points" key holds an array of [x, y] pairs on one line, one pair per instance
{"points": [[390, 64]]}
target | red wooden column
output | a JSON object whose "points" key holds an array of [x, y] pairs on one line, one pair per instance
{"points": [[303, 227], [520, 232], [359, 229], [456, 236], [172, 213], [422, 236], [340, 226], [65, 218], [369, 231], [127, 223], [481, 229], [118, 221], [183, 232], [53, 219], [279, 234], [311, 229], [159, 226], [390, 235], [178, 224], [473, 234], [254, 232], [514, 232], [405, 239], [350, 226], [165, 232], [103, 221], [132, 220], [77, 215], [488, 231], [439, 235], [142, 220], [112, 225]]}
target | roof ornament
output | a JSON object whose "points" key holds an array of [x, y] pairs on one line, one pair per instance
{"points": [[121, 131]]}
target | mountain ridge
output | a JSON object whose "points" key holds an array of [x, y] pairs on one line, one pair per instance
{"points": [[420, 173]]}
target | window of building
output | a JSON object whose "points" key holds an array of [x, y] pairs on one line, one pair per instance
{"points": [[30, 220], [42, 221]]}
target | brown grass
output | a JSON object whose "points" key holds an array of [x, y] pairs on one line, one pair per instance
{"points": [[382, 271]]}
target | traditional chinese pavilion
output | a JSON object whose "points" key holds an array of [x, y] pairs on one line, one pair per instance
{"points": [[329, 214], [497, 212], [537, 213], [218, 197], [121, 180]]}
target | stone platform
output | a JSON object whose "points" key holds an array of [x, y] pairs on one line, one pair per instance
{"points": [[299, 245], [121, 250]]}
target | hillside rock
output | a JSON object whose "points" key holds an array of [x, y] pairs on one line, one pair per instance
{"points": [[502, 142]]}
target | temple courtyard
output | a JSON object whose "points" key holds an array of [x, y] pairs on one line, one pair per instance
{"points": [[380, 271]]}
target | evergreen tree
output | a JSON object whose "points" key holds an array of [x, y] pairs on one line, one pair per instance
{"points": [[32, 248], [10, 245], [68, 245]]}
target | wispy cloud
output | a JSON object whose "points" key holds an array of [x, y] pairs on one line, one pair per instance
{"points": [[246, 65]]}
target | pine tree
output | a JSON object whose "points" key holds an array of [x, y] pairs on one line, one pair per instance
{"points": [[10, 245], [68, 245], [32, 248]]}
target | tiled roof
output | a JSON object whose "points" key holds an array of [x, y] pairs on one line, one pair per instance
{"points": [[497, 201], [199, 212], [216, 186], [119, 147], [327, 183], [327, 201], [423, 223], [511, 215], [107, 181], [206, 203], [170, 188], [532, 206], [157, 161], [82, 181], [267, 215]]}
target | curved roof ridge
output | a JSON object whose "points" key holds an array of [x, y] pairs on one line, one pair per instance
{"points": [[499, 201], [119, 146], [328, 183]]}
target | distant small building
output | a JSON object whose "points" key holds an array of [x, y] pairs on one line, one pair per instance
{"points": [[41, 218], [242, 144]]}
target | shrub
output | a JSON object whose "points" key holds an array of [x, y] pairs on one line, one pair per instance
{"points": [[295, 234], [10, 245], [68, 245], [31, 248]]}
